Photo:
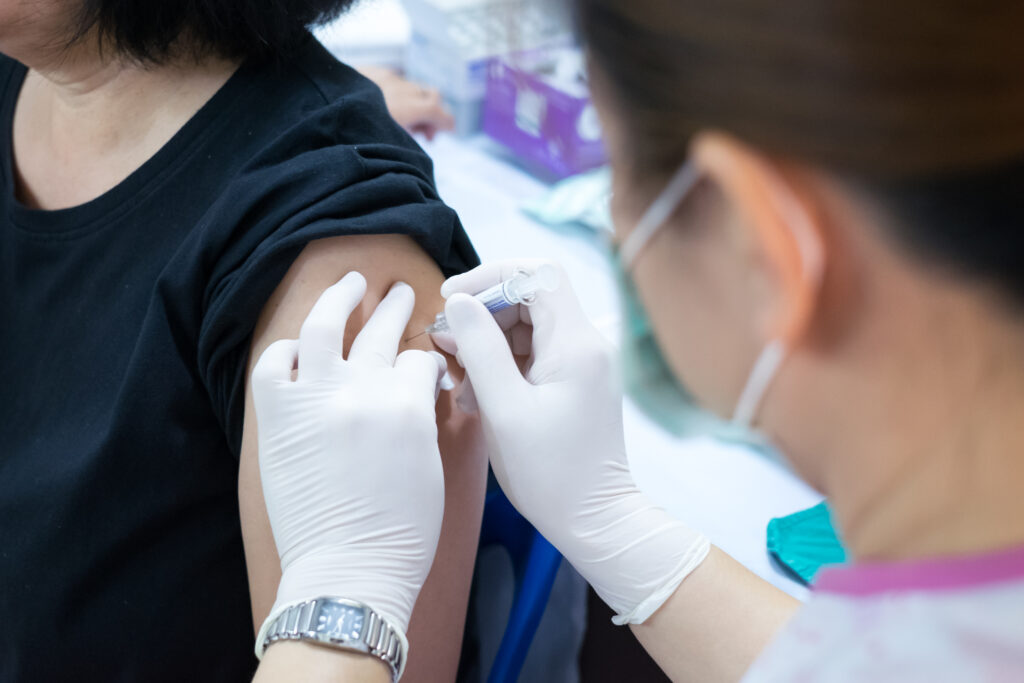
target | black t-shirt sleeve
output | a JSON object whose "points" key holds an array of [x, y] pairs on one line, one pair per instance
{"points": [[7, 66], [275, 208]]}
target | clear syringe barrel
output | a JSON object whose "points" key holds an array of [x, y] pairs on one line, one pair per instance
{"points": [[521, 288]]}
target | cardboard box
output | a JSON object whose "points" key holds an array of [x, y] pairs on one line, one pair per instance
{"points": [[538, 105]]}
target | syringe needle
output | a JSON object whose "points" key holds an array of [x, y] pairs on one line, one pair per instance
{"points": [[415, 336]]}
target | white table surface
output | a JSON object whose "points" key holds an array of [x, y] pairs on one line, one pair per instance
{"points": [[726, 491]]}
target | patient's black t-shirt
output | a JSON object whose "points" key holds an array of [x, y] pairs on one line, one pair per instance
{"points": [[124, 332]]}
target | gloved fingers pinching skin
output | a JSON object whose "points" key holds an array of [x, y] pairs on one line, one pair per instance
{"points": [[377, 343], [276, 364], [349, 460], [323, 332], [423, 368]]}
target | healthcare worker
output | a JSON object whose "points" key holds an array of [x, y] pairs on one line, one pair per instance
{"points": [[819, 207]]}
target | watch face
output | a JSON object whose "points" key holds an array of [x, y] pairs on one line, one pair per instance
{"points": [[340, 621]]}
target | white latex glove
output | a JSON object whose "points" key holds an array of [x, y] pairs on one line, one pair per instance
{"points": [[348, 455], [556, 441]]}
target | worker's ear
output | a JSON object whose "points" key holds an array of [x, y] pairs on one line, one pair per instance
{"points": [[778, 232]]}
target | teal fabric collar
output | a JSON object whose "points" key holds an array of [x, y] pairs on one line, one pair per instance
{"points": [[806, 541]]}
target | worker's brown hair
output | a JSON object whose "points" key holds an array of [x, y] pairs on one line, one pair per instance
{"points": [[920, 101]]}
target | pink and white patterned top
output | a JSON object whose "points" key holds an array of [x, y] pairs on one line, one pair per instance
{"points": [[949, 619]]}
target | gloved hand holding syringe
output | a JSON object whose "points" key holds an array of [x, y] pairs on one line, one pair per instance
{"points": [[555, 438], [521, 288]]}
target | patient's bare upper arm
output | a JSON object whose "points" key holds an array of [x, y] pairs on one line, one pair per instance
{"points": [[383, 260]]}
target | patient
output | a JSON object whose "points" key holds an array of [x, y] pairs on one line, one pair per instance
{"points": [[178, 183]]}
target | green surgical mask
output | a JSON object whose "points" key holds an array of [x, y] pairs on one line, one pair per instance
{"points": [[650, 383], [648, 379]]}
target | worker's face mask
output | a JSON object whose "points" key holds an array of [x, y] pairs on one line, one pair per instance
{"points": [[648, 378]]}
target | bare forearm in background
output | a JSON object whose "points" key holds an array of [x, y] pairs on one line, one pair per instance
{"points": [[716, 623]]}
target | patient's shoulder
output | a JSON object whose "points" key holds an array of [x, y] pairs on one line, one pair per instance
{"points": [[315, 92]]}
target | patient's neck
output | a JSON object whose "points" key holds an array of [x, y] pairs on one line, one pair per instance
{"points": [[85, 122]]}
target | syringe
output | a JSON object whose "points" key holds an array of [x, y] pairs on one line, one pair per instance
{"points": [[521, 288]]}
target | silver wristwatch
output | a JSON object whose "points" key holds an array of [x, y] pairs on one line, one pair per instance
{"points": [[342, 624]]}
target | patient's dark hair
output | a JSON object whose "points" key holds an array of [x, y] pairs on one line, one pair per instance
{"points": [[149, 30], [918, 102]]}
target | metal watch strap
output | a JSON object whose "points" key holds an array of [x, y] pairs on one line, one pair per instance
{"points": [[304, 622]]}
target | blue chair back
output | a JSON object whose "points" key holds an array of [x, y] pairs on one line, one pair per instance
{"points": [[534, 565]]}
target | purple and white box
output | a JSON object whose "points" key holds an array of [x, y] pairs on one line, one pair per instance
{"points": [[538, 105]]}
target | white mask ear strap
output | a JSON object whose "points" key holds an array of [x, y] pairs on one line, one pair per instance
{"points": [[765, 369], [658, 213], [812, 260]]}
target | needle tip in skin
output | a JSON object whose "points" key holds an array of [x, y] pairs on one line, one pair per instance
{"points": [[415, 336]]}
